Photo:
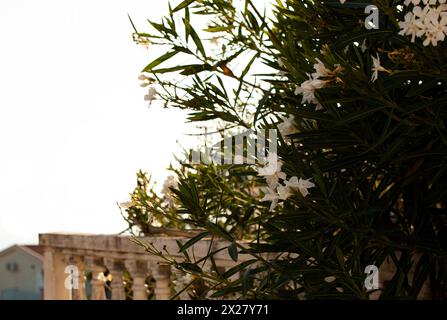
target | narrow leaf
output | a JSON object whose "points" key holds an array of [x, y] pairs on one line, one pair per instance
{"points": [[195, 37], [183, 5], [193, 240], [232, 251], [238, 268], [159, 60]]}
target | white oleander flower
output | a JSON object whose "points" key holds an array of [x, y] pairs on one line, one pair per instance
{"points": [[272, 171], [376, 68], [431, 2], [409, 26], [435, 32], [170, 182], [126, 204], [180, 283], [427, 22], [151, 94], [284, 192], [287, 126], [145, 81], [363, 47], [271, 195], [424, 14], [186, 279], [302, 185], [307, 90], [320, 70], [414, 2], [141, 40]]}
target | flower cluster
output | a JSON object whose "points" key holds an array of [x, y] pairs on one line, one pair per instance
{"points": [[180, 282], [126, 205], [428, 22], [141, 40], [170, 182], [152, 91], [287, 127], [277, 191], [317, 80]]}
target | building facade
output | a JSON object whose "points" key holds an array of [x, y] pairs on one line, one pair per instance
{"points": [[21, 273]]}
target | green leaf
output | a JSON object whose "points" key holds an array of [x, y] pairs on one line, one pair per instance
{"points": [[232, 251], [217, 29], [187, 33], [359, 36], [246, 281], [225, 291], [167, 70], [340, 258], [253, 21], [195, 68], [159, 60], [133, 25], [227, 117], [190, 267], [190, 30], [182, 49], [247, 68], [185, 253], [219, 231], [356, 116], [261, 105], [238, 268], [183, 5], [193, 240], [163, 29]]}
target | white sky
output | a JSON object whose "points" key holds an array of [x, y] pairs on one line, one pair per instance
{"points": [[74, 128]]}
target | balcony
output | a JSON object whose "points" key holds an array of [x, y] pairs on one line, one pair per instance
{"points": [[115, 255]]}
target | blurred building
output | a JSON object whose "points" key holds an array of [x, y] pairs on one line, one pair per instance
{"points": [[21, 273]]}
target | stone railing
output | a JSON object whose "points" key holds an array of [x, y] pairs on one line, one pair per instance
{"points": [[93, 255], [72, 256]]}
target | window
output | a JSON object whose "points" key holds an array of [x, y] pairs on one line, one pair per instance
{"points": [[12, 267]]}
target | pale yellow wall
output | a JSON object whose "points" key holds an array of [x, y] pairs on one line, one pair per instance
{"points": [[25, 278]]}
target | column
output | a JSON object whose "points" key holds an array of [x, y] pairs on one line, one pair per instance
{"points": [[162, 275], [95, 265], [116, 268], [80, 293], [49, 290], [137, 271], [73, 275], [76, 267]]}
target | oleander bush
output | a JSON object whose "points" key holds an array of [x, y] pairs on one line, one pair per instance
{"points": [[361, 112]]}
